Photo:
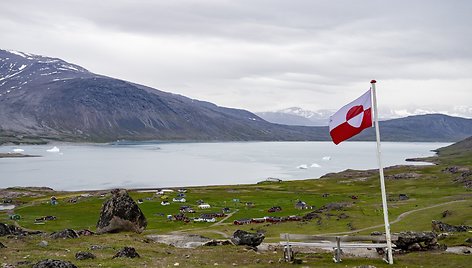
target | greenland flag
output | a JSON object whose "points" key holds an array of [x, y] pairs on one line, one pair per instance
{"points": [[351, 119]]}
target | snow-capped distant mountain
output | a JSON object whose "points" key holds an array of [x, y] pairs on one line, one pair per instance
{"points": [[298, 117]]}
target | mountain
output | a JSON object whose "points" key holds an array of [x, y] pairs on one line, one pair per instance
{"points": [[48, 97], [296, 116], [429, 127]]}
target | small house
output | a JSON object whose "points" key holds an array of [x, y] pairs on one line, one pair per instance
{"points": [[302, 205], [250, 204], [204, 206], [179, 199]]}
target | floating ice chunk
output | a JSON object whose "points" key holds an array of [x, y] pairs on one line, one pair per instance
{"points": [[18, 150], [302, 166], [315, 165], [326, 158], [53, 150]]}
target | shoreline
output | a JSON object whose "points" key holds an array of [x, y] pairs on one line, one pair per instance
{"points": [[16, 155]]}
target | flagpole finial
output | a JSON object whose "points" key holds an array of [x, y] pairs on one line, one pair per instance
{"points": [[373, 81]]}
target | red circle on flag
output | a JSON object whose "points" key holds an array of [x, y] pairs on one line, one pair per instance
{"points": [[354, 111]]}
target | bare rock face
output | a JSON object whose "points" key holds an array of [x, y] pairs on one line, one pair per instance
{"points": [[121, 213]]}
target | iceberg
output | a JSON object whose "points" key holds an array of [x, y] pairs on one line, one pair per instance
{"points": [[315, 165], [302, 166], [53, 150], [326, 158], [18, 150]]}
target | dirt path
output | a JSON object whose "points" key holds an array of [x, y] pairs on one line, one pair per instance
{"points": [[225, 218], [399, 218]]}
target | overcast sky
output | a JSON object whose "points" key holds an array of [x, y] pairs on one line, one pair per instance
{"points": [[262, 55]]}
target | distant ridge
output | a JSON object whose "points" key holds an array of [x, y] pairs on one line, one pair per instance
{"points": [[48, 98]]}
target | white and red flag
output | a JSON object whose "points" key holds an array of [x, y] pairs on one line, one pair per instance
{"points": [[351, 119]]}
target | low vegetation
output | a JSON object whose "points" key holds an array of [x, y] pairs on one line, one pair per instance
{"points": [[349, 202]]}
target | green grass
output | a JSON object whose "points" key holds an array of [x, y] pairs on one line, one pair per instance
{"points": [[433, 187]]}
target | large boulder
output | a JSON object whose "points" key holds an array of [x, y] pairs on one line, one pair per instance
{"points": [[121, 213], [241, 237], [417, 241], [54, 264]]}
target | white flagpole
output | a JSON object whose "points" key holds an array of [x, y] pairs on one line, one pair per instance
{"points": [[382, 180]]}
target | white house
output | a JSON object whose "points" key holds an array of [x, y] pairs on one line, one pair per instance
{"points": [[204, 206], [179, 199]]}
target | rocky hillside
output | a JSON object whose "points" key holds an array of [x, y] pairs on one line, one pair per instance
{"points": [[430, 127], [41, 96]]}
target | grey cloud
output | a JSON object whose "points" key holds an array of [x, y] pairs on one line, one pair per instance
{"points": [[257, 54]]}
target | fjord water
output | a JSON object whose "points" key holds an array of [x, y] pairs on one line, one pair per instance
{"points": [[143, 165]]}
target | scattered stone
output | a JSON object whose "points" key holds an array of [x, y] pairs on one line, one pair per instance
{"points": [[366, 266], [54, 264], [343, 216], [43, 243], [442, 236], [96, 247], [2, 245], [84, 255], [468, 240], [126, 252], [67, 233], [402, 176], [121, 213], [403, 197], [214, 242], [6, 229], [7, 265], [23, 263], [241, 237], [85, 232], [176, 264], [444, 227], [446, 213], [455, 169]]}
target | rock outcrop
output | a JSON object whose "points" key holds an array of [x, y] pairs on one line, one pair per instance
{"points": [[54, 264], [6, 229], [444, 227], [417, 241], [127, 252], [121, 213], [84, 255], [241, 237], [67, 233]]}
